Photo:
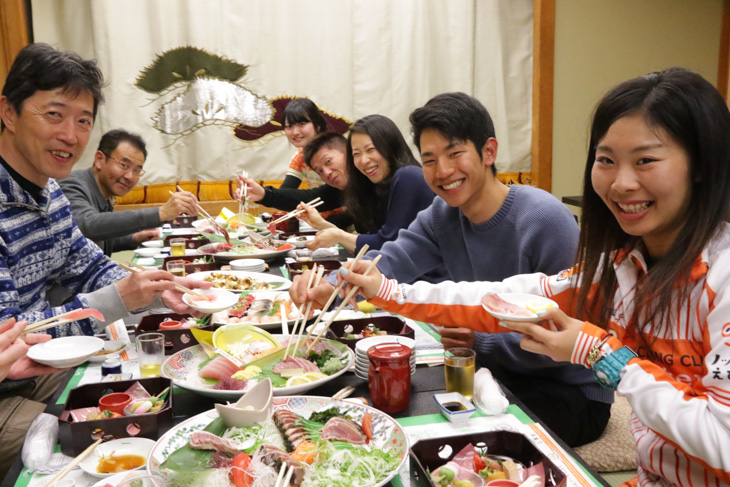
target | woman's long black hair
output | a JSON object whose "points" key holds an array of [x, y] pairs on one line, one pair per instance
{"points": [[692, 112], [367, 202]]}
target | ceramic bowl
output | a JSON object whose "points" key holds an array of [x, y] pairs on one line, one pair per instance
{"points": [[254, 407], [153, 244], [454, 406], [147, 252], [124, 446], [110, 347], [65, 352]]}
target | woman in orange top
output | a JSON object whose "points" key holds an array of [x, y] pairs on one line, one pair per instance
{"points": [[302, 123], [651, 287]]}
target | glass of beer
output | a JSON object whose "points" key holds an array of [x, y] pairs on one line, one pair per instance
{"points": [[151, 353], [459, 366], [176, 268], [177, 247]]}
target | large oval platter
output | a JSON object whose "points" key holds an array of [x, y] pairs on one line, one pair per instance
{"points": [[267, 323], [182, 368], [387, 433], [277, 283]]}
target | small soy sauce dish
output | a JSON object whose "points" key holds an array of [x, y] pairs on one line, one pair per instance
{"points": [[454, 406]]}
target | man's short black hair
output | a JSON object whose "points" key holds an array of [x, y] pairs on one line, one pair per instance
{"points": [[330, 140], [457, 117], [110, 140], [40, 67]]}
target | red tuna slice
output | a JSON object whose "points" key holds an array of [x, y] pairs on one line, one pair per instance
{"points": [[219, 368], [500, 306], [81, 314], [343, 429]]}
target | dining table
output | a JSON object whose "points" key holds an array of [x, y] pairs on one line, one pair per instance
{"points": [[422, 411]]}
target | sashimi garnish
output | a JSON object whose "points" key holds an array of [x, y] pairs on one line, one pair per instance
{"points": [[496, 304]]}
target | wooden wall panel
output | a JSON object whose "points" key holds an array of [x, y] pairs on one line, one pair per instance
{"points": [[543, 61], [13, 33], [723, 65]]}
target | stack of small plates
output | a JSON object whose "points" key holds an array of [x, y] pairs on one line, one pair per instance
{"points": [[249, 265], [362, 362]]}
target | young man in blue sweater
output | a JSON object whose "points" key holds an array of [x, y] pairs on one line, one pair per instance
{"points": [[480, 229]]}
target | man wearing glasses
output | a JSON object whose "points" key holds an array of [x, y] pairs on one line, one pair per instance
{"points": [[118, 165]]}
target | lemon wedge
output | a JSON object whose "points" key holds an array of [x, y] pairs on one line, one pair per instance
{"points": [[315, 376], [298, 380], [536, 306]]}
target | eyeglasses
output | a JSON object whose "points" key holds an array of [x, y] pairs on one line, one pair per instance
{"points": [[137, 171]]}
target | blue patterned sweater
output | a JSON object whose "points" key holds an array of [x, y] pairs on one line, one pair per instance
{"points": [[41, 248]]}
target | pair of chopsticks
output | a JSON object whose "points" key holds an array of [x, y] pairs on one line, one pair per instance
{"points": [[314, 278], [207, 216], [344, 302], [314, 203], [343, 393], [62, 319], [132, 267], [242, 201], [73, 463], [285, 475]]}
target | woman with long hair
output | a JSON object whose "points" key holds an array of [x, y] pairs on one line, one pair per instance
{"points": [[385, 187], [647, 305]]}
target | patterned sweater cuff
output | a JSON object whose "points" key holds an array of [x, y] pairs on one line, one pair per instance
{"points": [[588, 337], [387, 289]]}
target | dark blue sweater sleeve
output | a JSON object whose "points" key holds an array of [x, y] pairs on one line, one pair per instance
{"points": [[409, 194]]}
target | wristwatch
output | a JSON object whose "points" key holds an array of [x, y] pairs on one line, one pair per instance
{"points": [[607, 366]]}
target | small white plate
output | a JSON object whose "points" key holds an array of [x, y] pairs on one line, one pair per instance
{"points": [[153, 244], [110, 347], [146, 261], [526, 301], [223, 300], [146, 252], [301, 241], [65, 352], [123, 446]]}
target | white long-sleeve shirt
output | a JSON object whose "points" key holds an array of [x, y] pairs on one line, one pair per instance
{"points": [[679, 389]]}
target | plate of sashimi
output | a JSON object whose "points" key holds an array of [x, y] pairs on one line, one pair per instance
{"points": [[326, 442], [261, 309], [228, 372]]}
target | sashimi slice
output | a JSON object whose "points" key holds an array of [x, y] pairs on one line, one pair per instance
{"points": [[81, 314], [218, 368], [498, 305]]}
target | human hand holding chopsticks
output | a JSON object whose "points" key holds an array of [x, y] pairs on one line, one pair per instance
{"points": [[318, 295], [254, 191], [179, 203], [313, 217], [14, 363], [353, 273], [174, 287]]}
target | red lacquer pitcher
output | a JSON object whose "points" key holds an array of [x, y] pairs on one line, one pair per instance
{"points": [[390, 376]]}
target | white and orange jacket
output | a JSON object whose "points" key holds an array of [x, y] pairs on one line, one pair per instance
{"points": [[679, 390]]}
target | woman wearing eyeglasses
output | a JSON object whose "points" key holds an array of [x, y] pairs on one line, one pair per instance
{"points": [[118, 165]]}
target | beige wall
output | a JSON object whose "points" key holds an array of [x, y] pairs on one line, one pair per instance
{"points": [[599, 43]]}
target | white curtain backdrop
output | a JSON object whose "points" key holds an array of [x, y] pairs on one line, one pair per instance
{"points": [[351, 57]]}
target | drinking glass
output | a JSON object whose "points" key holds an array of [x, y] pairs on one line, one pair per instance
{"points": [[459, 367], [176, 268], [177, 247], [151, 353]]}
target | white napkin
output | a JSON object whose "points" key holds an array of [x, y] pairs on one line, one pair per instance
{"points": [[326, 253], [488, 396], [40, 439]]}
